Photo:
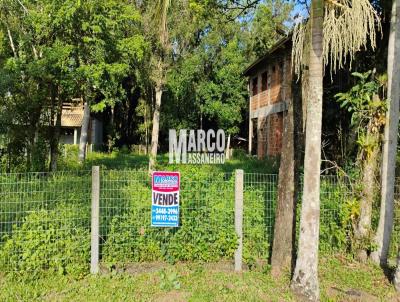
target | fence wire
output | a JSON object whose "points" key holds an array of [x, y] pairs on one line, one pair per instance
{"points": [[206, 231], [45, 219], [260, 194]]}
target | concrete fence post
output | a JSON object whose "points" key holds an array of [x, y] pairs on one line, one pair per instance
{"points": [[239, 218], [95, 218]]}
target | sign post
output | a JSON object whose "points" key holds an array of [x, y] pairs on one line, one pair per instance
{"points": [[165, 199]]}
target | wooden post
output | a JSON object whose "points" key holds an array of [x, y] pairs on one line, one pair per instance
{"points": [[250, 135], [75, 136], [94, 244], [239, 218]]}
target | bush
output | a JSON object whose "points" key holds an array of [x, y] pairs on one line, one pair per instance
{"points": [[45, 242], [259, 216], [128, 241], [206, 231], [339, 212]]}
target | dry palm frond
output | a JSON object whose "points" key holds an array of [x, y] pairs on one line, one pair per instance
{"points": [[347, 29], [301, 47], [349, 25]]}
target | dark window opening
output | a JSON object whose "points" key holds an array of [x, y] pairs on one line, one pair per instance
{"points": [[67, 131], [255, 88], [264, 81]]}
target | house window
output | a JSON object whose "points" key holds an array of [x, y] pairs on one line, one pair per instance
{"points": [[264, 81], [255, 88]]}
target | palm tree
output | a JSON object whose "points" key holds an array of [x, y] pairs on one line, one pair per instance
{"points": [[336, 29], [305, 278]]}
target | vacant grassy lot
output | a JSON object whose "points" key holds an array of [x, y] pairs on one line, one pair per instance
{"points": [[124, 160], [341, 280]]}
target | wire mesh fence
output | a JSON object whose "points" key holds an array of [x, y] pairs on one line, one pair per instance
{"points": [[260, 194], [206, 231], [45, 219]]}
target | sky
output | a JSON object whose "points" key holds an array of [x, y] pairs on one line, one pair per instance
{"points": [[301, 10]]}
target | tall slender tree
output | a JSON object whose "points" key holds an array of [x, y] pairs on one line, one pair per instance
{"points": [[283, 246], [336, 30], [305, 279], [385, 225], [159, 73]]}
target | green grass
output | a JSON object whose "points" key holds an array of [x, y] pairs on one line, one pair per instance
{"points": [[122, 160], [341, 280]]}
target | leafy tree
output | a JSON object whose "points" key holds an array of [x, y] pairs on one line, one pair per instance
{"points": [[269, 25], [368, 116], [70, 49]]}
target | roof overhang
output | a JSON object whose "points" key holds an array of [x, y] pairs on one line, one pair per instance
{"points": [[282, 43]]}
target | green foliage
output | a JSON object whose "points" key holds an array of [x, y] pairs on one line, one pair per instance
{"points": [[339, 213], [224, 98], [58, 205], [39, 155], [269, 19], [363, 101], [112, 54], [127, 243], [205, 232], [259, 208], [45, 242], [63, 51], [367, 104]]}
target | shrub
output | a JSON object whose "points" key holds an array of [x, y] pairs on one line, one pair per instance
{"points": [[259, 215], [339, 212], [206, 231], [45, 242], [129, 240]]}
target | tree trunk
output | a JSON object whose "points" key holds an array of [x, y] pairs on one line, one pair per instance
{"points": [[385, 226], [55, 141], [228, 146], [156, 128], [367, 198], [285, 217], [84, 132], [305, 278], [55, 135], [146, 138], [282, 247]]}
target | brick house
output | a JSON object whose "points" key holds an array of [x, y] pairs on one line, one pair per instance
{"points": [[270, 82]]}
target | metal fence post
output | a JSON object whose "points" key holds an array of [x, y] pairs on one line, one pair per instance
{"points": [[94, 242], [239, 218]]}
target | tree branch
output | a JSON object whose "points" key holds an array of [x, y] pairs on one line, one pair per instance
{"points": [[11, 41], [241, 7], [23, 6]]}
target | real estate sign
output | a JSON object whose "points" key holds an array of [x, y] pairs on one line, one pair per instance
{"points": [[165, 199]]}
